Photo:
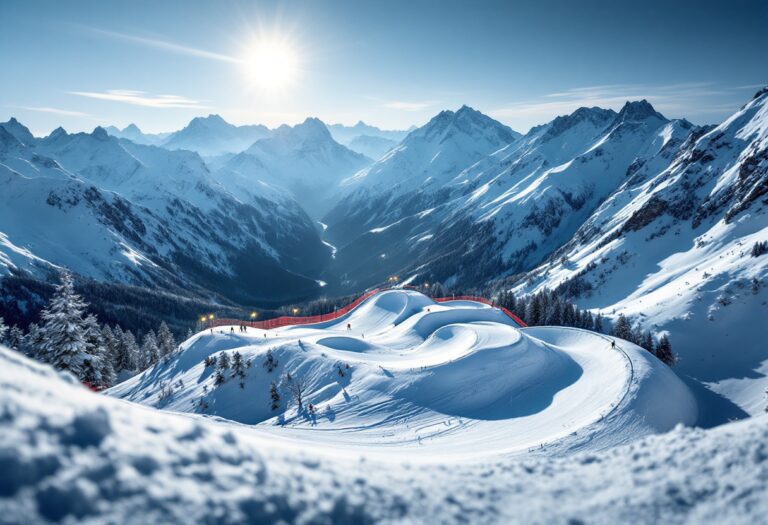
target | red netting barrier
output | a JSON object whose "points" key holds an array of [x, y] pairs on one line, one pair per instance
{"points": [[287, 320]]}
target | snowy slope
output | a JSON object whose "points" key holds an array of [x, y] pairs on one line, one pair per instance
{"points": [[114, 210], [671, 248], [432, 377], [502, 213], [371, 146], [303, 159], [212, 135], [67, 454]]}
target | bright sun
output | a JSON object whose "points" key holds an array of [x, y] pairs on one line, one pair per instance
{"points": [[270, 64]]}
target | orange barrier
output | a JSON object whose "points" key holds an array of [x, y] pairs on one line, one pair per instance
{"points": [[287, 320]]}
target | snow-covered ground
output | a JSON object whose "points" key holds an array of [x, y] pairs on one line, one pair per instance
{"points": [[67, 454], [402, 374]]}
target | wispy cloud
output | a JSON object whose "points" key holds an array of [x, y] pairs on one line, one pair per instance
{"points": [[410, 106], [142, 98], [167, 46], [55, 111], [684, 99]]}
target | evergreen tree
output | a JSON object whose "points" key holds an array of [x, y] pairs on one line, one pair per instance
{"points": [[32, 344], [664, 351], [238, 367], [274, 396], [165, 341], [637, 335], [270, 363], [128, 351], [150, 352], [95, 348], [569, 315], [190, 333], [599, 323], [647, 342], [63, 331], [3, 331], [589, 321], [16, 338], [224, 361], [108, 376], [622, 328], [219, 379], [555, 315]]}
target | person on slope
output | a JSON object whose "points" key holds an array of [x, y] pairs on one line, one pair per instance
{"points": [[349, 327], [613, 344]]}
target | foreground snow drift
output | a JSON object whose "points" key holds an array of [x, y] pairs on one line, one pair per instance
{"points": [[67, 454], [402, 373]]}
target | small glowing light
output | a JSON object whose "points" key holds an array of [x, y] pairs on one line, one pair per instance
{"points": [[210, 317]]}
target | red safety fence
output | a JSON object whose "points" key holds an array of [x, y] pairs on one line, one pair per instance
{"points": [[287, 320]]}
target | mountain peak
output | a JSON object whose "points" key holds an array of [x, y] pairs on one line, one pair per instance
{"points": [[18, 130], [638, 110], [760, 93], [58, 132], [100, 133], [131, 128]]}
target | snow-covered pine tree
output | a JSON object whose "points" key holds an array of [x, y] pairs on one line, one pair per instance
{"points": [[274, 395], [62, 333], [224, 362], [270, 363], [128, 351], [622, 328], [16, 338], [599, 323], [150, 352], [166, 343], [3, 330], [647, 342], [108, 355], [32, 344], [92, 366], [238, 368], [190, 333], [664, 351]]}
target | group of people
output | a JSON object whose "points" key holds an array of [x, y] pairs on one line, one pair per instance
{"points": [[241, 328]]}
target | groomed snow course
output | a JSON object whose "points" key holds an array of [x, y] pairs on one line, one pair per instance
{"points": [[403, 375], [69, 455]]}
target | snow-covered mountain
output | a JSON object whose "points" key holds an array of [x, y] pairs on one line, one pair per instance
{"points": [[212, 135], [134, 134], [113, 210], [672, 246], [347, 134], [303, 158], [371, 146]]}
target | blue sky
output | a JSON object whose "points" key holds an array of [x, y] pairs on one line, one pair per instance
{"points": [[393, 64]]}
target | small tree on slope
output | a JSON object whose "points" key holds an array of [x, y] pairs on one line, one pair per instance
{"points": [[664, 351], [63, 331], [622, 328], [165, 341]]}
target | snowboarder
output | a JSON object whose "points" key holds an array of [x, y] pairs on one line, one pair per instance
{"points": [[349, 327], [613, 344], [231, 329]]}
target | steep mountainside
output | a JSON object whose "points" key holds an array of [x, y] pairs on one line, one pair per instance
{"points": [[674, 247], [503, 212], [115, 210], [304, 159], [370, 146]]}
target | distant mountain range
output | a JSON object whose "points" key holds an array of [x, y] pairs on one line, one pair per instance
{"points": [[623, 212]]}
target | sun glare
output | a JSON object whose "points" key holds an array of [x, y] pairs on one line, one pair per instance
{"points": [[270, 64]]}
